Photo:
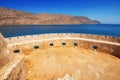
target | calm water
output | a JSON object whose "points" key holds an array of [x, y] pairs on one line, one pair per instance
{"points": [[20, 30]]}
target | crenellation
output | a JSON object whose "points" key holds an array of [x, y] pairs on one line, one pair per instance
{"points": [[69, 37], [9, 38], [90, 36], [37, 35]]}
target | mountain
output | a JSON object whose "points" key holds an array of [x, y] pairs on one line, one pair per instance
{"points": [[16, 17]]}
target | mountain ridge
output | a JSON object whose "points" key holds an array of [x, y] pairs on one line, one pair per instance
{"points": [[17, 17]]}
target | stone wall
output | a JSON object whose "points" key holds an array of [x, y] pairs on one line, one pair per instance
{"points": [[89, 36], [18, 72], [11, 65], [25, 44], [15, 70], [4, 52]]}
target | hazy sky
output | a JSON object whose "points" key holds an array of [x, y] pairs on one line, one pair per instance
{"points": [[106, 11]]}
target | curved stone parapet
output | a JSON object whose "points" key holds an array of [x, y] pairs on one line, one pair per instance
{"points": [[52, 35], [25, 44], [12, 66]]}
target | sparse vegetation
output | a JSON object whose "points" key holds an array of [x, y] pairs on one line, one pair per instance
{"points": [[15, 17]]}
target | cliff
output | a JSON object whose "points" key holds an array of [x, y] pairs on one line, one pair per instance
{"points": [[15, 17]]}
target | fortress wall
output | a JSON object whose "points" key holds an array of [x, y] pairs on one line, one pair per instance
{"points": [[89, 36], [11, 68], [4, 52], [26, 44], [107, 48], [18, 72], [105, 44], [15, 71]]}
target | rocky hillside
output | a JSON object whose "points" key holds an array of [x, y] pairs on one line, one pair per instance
{"points": [[15, 17]]}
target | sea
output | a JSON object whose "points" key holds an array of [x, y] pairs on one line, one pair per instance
{"points": [[97, 29]]}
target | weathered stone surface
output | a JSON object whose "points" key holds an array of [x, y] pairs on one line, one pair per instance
{"points": [[4, 52], [11, 68], [80, 62], [15, 70], [105, 44]]}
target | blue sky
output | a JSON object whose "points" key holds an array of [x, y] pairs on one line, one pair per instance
{"points": [[106, 11]]}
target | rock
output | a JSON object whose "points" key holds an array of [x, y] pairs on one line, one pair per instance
{"points": [[66, 77]]}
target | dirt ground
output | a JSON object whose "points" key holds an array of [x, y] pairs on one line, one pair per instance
{"points": [[82, 64]]}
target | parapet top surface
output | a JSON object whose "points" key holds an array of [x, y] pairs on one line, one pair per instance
{"points": [[67, 36]]}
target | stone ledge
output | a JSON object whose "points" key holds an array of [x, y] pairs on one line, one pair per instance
{"points": [[7, 69]]}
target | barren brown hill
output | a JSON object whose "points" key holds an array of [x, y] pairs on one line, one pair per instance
{"points": [[16, 17]]}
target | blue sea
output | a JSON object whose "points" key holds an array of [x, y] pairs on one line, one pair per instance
{"points": [[99, 29]]}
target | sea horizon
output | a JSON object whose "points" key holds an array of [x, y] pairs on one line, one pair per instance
{"points": [[96, 29]]}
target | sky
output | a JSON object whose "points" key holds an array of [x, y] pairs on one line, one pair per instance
{"points": [[105, 11]]}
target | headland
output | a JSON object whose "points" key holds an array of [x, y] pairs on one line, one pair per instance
{"points": [[17, 17]]}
